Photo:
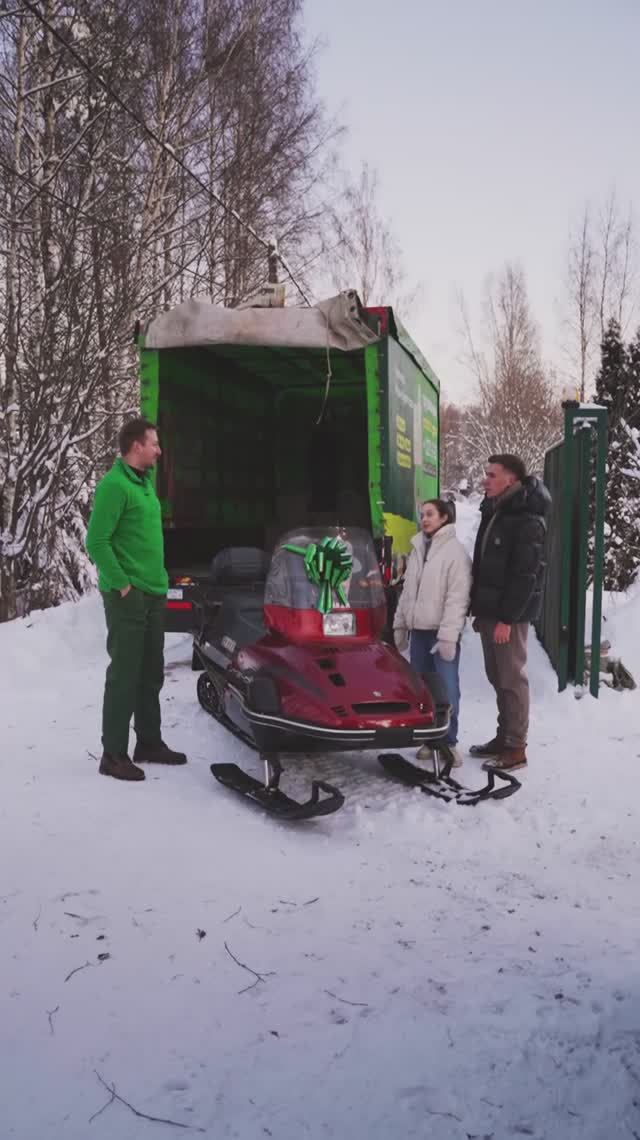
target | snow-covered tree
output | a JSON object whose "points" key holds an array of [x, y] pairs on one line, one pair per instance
{"points": [[618, 390], [454, 468], [634, 438], [100, 225]]}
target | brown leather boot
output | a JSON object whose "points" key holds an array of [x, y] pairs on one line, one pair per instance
{"points": [[119, 766], [159, 753], [509, 760], [491, 748]]}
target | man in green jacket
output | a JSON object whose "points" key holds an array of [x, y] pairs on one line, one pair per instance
{"points": [[125, 541]]}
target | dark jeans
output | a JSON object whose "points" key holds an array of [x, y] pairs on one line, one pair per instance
{"points": [[424, 661], [135, 675]]}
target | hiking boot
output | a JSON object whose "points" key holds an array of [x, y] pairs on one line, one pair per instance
{"points": [[491, 748], [425, 753], [509, 760], [118, 765], [159, 753]]}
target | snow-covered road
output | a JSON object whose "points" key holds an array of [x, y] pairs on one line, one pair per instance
{"points": [[425, 970]]}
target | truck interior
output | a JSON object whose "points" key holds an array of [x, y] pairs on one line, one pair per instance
{"points": [[257, 441]]}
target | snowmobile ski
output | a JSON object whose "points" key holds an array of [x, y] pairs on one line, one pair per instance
{"points": [[443, 786], [275, 801]]}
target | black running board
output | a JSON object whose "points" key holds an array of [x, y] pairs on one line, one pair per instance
{"points": [[275, 801], [443, 786]]}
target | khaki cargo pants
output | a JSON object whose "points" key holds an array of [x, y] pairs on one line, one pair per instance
{"points": [[505, 666]]}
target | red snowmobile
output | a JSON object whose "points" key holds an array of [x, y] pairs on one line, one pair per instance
{"points": [[293, 662]]}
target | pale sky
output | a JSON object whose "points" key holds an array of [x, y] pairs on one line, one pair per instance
{"points": [[491, 123]]}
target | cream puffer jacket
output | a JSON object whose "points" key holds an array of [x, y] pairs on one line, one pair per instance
{"points": [[436, 592]]}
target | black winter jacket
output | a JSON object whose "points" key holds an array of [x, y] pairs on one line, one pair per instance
{"points": [[509, 557]]}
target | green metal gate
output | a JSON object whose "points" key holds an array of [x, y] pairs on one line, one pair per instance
{"points": [[574, 472]]}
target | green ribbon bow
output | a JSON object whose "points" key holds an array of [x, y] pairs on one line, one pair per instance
{"points": [[328, 564]]}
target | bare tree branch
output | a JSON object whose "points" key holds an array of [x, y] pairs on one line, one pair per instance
{"points": [[516, 407], [111, 1089]]}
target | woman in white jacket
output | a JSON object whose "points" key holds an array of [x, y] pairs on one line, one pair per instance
{"points": [[433, 606]]}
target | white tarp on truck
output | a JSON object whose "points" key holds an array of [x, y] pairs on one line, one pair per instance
{"points": [[335, 324]]}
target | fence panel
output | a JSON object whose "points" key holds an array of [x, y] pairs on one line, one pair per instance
{"points": [[549, 625], [574, 471]]}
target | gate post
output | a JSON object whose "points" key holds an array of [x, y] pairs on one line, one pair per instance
{"points": [[598, 548], [574, 465], [581, 552], [566, 476]]}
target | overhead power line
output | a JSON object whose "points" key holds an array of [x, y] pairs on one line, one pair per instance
{"points": [[166, 147]]}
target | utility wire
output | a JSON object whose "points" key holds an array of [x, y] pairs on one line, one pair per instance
{"points": [[166, 147]]}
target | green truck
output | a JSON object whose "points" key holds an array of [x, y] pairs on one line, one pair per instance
{"points": [[273, 417]]}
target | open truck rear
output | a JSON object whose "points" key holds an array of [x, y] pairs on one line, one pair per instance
{"points": [[271, 418]]}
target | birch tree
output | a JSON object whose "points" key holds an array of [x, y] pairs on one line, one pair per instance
{"points": [[53, 127], [516, 407], [107, 110], [601, 284], [363, 252]]}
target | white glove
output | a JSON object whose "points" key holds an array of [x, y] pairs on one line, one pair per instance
{"points": [[401, 638], [445, 649]]}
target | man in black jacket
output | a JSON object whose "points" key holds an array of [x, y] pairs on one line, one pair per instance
{"points": [[506, 595]]}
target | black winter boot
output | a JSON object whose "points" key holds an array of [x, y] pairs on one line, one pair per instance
{"points": [[159, 753], [119, 766], [491, 748]]}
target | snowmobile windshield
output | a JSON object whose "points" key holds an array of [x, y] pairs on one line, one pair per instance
{"points": [[293, 575]]}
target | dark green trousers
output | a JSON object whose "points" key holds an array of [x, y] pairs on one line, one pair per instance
{"points": [[135, 675]]}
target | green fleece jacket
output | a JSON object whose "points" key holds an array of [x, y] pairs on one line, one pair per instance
{"points": [[124, 537]]}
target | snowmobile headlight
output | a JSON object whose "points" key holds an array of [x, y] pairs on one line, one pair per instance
{"points": [[338, 624]]}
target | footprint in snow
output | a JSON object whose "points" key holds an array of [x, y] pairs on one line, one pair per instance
{"points": [[338, 1018]]}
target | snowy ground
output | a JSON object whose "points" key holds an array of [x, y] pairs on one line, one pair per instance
{"points": [[426, 970]]}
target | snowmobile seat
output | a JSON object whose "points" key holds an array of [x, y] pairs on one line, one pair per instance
{"points": [[239, 566], [235, 597], [239, 621]]}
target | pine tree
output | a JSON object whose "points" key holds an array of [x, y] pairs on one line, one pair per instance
{"points": [[618, 390]]}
